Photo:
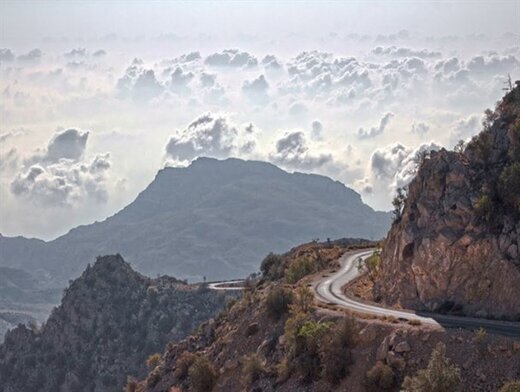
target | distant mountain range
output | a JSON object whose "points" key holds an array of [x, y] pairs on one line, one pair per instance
{"points": [[215, 218]]}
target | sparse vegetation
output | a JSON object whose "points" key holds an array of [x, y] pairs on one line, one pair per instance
{"points": [[371, 264], [203, 375], [380, 378], [484, 207], [153, 360], [439, 376], [278, 300], [299, 268], [183, 364], [512, 386], [509, 186], [480, 340], [253, 368], [303, 300], [272, 266], [335, 352]]}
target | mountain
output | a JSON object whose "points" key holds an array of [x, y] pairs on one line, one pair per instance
{"points": [[455, 246], [214, 218], [111, 319], [276, 338]]}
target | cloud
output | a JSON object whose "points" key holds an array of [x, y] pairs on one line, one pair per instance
{"points": [[292, 152], [256, 90], [68, 144], [64, 183], [6, 55], [375, 131], [58, 176], [207, 79], [271, 62], [493, 64], [9, 159], [405, 52], [391, 167], [231, 58], [317, 130], [139, 83], [31, 56], [99, 53], [466, 128], [420, 128], [213, 135], [179, 81], [77, 52]]}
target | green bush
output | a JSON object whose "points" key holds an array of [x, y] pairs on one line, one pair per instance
{"points": [[439, 376], [299, 268], [380, 378], [272, 266], [509, 186], [484, 207], [278, 300], [303, 300], [203, 375], [304, 337], [336, 350]]}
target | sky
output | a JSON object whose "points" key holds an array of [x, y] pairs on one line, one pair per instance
{"points": [[97, 96]]}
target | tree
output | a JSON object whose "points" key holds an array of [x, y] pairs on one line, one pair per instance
{"points": [[398, 203], [460, 146], [439, 376]]}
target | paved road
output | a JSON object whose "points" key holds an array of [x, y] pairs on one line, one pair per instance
{"points": [[330, 290], [226, 285]]}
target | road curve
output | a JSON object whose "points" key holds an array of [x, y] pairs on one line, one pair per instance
{"points": [[330, 290], [226, 285]]}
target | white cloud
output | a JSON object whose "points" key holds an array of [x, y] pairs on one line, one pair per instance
{"points": [[231, 58], [58, 176], [420, 128], [64, 183], [391, 167], [293, 152], [256, 90], [213, 135], [375, 131]]}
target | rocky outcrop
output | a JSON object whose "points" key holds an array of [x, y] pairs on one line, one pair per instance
{"points": [[110, 320], [456, 244]]}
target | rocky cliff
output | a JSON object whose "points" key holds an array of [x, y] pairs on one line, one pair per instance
{"points": [[455, 245], [110, 320]]}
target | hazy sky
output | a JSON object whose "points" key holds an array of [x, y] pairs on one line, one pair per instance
{"points": [[97, 96]]}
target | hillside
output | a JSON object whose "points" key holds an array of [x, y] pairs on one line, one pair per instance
{"points": [[455, 245], [278, 338], [110, 320], [213, 218]]}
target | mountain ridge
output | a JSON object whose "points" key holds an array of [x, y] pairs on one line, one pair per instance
{"points": [[223, 216]]}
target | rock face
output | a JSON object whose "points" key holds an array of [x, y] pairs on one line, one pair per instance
{"points": [[456, 244], [110, 320]]}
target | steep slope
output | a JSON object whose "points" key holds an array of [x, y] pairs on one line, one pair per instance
{"points": [[213, 218], [110, 320], [275, 338], [456, 245]]}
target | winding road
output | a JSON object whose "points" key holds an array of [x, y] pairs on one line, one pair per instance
{"points": [[330, 290], [226, 285]]}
